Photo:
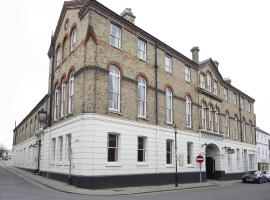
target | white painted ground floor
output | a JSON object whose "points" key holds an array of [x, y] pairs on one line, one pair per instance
{"points": [[100, 151]]}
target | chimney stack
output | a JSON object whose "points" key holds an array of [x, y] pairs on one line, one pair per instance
{"points": [[228, 80], [216, 63], [128, 15], [195, 54]]}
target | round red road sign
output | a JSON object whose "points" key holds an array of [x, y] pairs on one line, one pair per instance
{"points": [[200, 159]]}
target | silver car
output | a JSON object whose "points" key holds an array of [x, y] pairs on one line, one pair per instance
{"points": [[267, 175]]}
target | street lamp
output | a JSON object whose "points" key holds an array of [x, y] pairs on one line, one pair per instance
{"points": [[175, 145]]}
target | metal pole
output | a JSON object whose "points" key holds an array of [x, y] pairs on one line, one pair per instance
{"points": [[175, 145], [69, 172], [200, 172]]}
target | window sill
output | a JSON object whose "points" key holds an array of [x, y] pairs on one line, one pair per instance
{"points": [[188, 81], [117, 48], [142, 164], [170, 166], [189, 127], [190, 166], [115, 112], [169, 123], [170, 73], [143, 118], [113, 164], [145, 61]]}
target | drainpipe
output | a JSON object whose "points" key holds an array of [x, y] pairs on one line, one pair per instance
{"points": [[156, 103], [240, 116], [52, 78]]}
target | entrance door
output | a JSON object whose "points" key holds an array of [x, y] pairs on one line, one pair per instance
{"points": [[210, 167]]}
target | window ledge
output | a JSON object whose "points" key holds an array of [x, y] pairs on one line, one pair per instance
{"points": [[113, 164], [143, 118], [170, 73], [115, 112], [142, 164], [145, 61], [169, 123], [190, 166], [119, 49], [188, 81], [189, 128], [170, 166]]}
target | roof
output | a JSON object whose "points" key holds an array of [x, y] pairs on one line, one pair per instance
{"points": [[262, 131]]}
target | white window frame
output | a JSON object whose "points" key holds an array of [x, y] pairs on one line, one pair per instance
{"points": [[143, 149], [58, 56], [190, 153], [244, 129], [115, 76], [227, 124], [236, 127], [251, 131], [209, 82], [63, 99], [168, 105], [73, 39], [226, 94], [116, 148], [142, 49], [188, 112], [56, 103], [217, 121], [187, 74], [68, 147], [141, 101], [211, 119], [203, 116], [202, 81], [168, 63], [215, 90], [60, 147], [115, 38], [53, 149], [71, 93], [169, 152]]}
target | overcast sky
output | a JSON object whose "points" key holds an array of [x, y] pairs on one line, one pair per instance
{"points": [[236, 33]]}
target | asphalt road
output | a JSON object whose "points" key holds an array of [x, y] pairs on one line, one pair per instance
{"points": [[13, 187]]}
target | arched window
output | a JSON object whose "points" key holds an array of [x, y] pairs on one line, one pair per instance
{"points": [[217, 120], [114, 88], [73, 39], [209, 82], [56, 103], [141, 98], [58, 56], [202, 81], [227, 124], [251, 132], [168, 106], [244, 129], [211, 119], [63, 99], [236, 127], [71, 92], [203, 116], [188, 112], [215, 88]]}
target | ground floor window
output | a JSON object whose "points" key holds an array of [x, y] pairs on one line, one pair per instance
{"points": [[169, 148], [113, 147], [251, 161], [141, 149]]}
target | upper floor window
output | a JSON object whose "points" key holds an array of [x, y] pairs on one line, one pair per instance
{"points": [[188, 112], [244, 129], [234, 99], [211, 119], [217, 120], [58, 56], [226, 94], [114, 88], [71, 92], [168, 63], [215, 88], [113, 147], [187, 74], [251, 132], [115, 36], [141, 98], [73, 39], [141, 149], [168, 106], [249, 107], [209, 82], [203, 116], [202, 81], [63, 99], [227, 123], [142, 49], [242, 102], [236, 127], [56, 103], [65, 48]]}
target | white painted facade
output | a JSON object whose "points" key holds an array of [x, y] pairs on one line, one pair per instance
{"points": [[89, 137], [263, 146]]}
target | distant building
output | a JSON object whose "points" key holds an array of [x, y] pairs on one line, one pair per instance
{"points": [[263, 149], [116, 97]]}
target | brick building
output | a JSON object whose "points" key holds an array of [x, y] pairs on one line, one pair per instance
{"points": [[117, 99]]}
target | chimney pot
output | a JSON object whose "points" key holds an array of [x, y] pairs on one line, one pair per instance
{"points": [[216, 63], [228, 80], [195, 54], [128, 15]]}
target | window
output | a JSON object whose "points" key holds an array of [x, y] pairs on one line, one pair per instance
{"points": [[189, 152], [73, 39], [215, 88], [58, 56], [56, 103], [209, 82], [168, 106], [60, 142], [64, 48], [168, 63], [142, 50], [202, 81], [169, 152], [251, 133], [211, 119], [251, 162], [53, 148], [227, 124], [71, 93], [236, 127], [229, 161], [188, 112], [187, 74], [68, 147], [238, 158], [115, 36], [63, 99], [203, 116], [217, 120], [141, 101], [141, 149], [249, 107], [234, 99], [242, 102], [226, 94], [114, 88], [113, 147], [244, 129]]}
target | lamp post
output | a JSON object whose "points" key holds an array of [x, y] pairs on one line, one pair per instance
{"points": [[175, 146]]}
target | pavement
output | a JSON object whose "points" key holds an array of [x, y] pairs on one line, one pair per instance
{"points": [[64, 187]]}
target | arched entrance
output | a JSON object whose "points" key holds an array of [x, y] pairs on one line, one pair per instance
{"points": [[212, 161]]}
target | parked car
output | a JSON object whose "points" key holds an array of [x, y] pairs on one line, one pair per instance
{"points": [[267, 175], [254, 177]]}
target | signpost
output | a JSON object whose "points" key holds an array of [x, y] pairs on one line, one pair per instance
{"points": [[200, 160]]}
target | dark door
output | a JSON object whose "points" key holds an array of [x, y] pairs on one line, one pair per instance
{"points": [[210, 167]]}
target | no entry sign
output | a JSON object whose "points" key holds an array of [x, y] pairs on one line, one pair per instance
{"points": [[200, 159]]}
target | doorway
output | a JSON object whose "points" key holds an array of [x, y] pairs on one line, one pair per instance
{"points": [[212, 161]]}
